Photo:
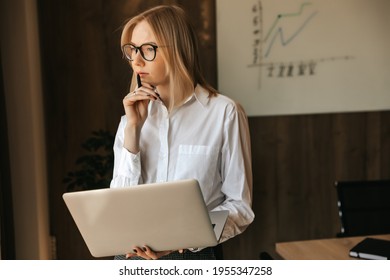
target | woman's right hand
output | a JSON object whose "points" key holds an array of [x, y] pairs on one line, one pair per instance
{"points": [[136, 105], [136, 109]]}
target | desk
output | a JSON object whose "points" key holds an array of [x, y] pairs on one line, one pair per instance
{"points": [[321, 249]]}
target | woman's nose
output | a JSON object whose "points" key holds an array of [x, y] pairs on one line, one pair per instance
{"points": [[138, 59]]}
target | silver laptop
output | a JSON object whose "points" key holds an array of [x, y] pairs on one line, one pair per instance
{"points": [[164, 216]]}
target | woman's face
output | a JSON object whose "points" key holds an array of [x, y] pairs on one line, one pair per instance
{"points": [[152, 72]]}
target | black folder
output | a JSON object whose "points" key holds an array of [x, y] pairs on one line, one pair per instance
{"points": [[371, 249]]}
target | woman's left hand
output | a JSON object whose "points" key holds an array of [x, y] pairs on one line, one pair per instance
{"points": [[148, 254]]}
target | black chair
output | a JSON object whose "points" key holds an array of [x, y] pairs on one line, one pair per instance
{"points": [[364, 207]]}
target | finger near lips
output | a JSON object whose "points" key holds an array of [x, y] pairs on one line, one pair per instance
{"points": [[140, 94], [131, 94]]}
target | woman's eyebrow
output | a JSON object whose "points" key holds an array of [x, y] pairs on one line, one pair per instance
{"points": [[150, 43]]}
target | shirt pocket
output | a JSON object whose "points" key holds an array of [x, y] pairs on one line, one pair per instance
{"points": [[197, 162]]}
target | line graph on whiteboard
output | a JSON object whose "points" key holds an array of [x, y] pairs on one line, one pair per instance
{"points": [[281, 57], [283, 30]]}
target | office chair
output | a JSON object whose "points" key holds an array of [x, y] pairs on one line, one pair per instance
{"points": [[364, 207]]}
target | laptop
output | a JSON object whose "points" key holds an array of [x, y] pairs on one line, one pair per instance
{"points": [[164, 216]]}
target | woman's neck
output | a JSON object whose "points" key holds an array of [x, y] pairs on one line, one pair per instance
{"points": [[165, 95], [163, 91]]}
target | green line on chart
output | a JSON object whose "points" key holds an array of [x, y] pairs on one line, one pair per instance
{"points": [[286, 15]]}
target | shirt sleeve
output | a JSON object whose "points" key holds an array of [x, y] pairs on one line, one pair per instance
{"points": [[127, 166], [236, 172]]}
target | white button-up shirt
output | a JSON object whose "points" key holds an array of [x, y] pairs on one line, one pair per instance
{"points": [[205, 139]]}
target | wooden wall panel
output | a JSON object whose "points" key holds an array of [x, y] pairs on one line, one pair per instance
{"points": [[384, 150], [296, 159]]}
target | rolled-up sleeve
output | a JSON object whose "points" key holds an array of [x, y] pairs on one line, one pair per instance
{"points": [[236, 174]]}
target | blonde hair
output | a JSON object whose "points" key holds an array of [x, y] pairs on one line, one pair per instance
{"points": [[173, 30]]}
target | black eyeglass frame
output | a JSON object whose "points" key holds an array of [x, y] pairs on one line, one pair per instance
{"points": [[139, 49]]}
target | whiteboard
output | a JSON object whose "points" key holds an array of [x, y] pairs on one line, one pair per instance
{"points": [[279, 57]]}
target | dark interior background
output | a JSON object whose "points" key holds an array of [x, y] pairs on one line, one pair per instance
{"points": [[296, 159], [6, 212]]}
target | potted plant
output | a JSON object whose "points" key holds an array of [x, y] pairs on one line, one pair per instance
{"points": [[95, 167]]}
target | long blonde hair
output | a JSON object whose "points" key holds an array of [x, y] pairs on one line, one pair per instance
{"points": [[173, 30]]}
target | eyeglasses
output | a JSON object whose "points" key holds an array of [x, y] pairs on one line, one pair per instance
{"points": [[148, 51]]}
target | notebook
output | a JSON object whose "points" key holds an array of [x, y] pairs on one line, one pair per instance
{"points": [[372, 249], [164, 216]]}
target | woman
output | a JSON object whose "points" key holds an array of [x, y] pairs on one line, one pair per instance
{"points": [[177, 126]]}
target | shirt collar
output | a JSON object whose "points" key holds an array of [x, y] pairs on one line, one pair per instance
{"points": [[200, 95]]}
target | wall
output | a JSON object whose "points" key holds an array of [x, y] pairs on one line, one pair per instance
{"points": [[26, 135], [6, 211]]}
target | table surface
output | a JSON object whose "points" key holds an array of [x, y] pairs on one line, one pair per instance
{"points": [[321, 249]]}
